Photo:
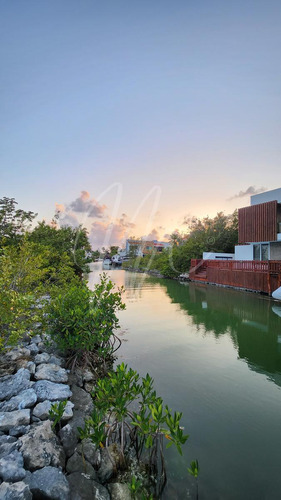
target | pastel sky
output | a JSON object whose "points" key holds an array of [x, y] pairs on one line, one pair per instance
{"points": [[132, 115]]}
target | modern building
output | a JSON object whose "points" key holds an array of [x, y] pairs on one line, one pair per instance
{"points": [[256, 263], [259, 228]]}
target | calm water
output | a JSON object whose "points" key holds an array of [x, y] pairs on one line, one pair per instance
{"points": [[215, 355]]}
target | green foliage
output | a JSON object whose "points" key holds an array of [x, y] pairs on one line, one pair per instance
{"points": [[13, 222], [194, 468], [65, 242], [113, 250], [219, 234], [22, 275], [82, 321], [135, 486], [115, 420], [56, 412]]}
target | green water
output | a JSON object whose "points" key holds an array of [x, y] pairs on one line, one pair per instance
{"points": [[215, 355]]}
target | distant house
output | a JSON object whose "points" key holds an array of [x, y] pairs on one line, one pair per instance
{"points": [[256, 263], [143, 247]]}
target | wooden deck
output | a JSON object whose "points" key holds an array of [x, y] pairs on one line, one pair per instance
{"points": [[260, 276]]}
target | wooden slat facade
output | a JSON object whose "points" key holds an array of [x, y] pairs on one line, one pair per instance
{"points": [[261, 276], [258, 223]]}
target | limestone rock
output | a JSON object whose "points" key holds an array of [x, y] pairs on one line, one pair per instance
{"points": [[13, 419], [40, 448], [42, 410], [108, 467], [7, 439], [78, 420], [16, 491], [89, 386], [10, 385], [24, 399], [88, 450], [20, 430], [119, 491], [42, 358], [77, 464], [37, 338], [34, 349], [26, 363], [52, 372], [30, 366], [17, 353], [11, 467], [52, 391], [6, 448], [84, 488], [88, 376], [55, 360], [49, 483], [68, 437], [82, 400]]}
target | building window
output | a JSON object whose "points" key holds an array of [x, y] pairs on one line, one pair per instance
{"points": [[257, 252], [264, 252]]}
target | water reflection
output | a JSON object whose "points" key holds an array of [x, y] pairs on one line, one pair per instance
{"points": [[198, 343], [253, 324]]}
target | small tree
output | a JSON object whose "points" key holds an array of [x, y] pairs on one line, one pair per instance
{"points": [[83, 322], [13, 222]]}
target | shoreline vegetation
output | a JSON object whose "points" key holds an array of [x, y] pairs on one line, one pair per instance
{"points": [[219, 234], [46, 304]]}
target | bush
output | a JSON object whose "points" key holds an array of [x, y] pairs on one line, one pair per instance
{"points": [[138, 434], [82, 322], [22, 275]]}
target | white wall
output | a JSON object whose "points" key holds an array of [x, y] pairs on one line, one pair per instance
{"points": [[218, 256], [244, 252], [274, 194]]}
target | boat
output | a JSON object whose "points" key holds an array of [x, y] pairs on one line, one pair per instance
{"points": [[277, 293], [116, 259]]}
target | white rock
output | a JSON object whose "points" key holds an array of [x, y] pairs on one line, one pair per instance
{"points": [[16, 491], [14, 419], [40, 448], [49, 390], [10, 385], [42, 410], [24, 399], [52, 372], [42, 358]]}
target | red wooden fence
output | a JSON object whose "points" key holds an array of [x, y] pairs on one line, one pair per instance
{"points": [[262, 276]]}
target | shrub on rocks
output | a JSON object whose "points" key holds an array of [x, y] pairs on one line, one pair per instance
{"points": [[82, 322]]}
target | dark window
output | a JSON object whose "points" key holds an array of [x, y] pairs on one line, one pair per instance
{"points": [[257, 252], [264, 252]]}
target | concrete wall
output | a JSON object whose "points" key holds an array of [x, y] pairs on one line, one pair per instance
{"points": [[275, 194], [218, 256], [275, 251], [244, 252]]}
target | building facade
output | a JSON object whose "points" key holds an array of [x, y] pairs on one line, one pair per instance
{"points": [[259, 228]]}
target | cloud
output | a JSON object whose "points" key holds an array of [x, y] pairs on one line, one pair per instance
{"points": [[69, 220], [110, 233], [83, 204], [153, 235], [60, 207], [249, 191]]}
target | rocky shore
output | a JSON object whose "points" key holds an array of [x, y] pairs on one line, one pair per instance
{"points": [[36, 460]]}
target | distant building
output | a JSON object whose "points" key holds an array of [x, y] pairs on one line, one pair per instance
{"points": [[143, 247]]}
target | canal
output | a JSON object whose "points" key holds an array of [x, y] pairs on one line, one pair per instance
{"points": [[215, 355]]}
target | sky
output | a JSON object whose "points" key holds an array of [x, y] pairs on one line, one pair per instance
{"points": [[129, 116]]}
